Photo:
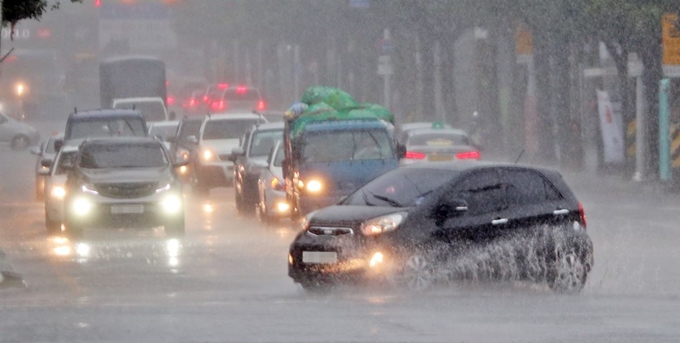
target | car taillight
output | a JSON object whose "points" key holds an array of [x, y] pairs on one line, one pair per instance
{"points": [[192, 102], [221, 105], [261, 105], [215, 106], [468, 155], [171, 100], [582, 215], [205, 99], [415, 155], [277, 185], [223, 86], [241, 89]]}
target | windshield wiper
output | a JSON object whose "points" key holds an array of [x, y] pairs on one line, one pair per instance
{"points": [[368, 203], [392, 202]]}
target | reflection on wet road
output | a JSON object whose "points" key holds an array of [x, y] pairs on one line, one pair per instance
{"points": [[226, 280]]}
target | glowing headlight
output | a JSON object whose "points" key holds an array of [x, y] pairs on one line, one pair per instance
{"points": [[171, 204], [282, 207], [314, 186], [58, 192], [20, 89], [376, 259], [183, 169], [208, 155], [382, 224], [81, 206]]}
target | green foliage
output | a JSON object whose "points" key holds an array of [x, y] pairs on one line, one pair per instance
{"points": [[16, 10]]}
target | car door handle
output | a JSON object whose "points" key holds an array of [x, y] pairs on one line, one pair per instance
{"points": [[560, 212], [499, 221]]}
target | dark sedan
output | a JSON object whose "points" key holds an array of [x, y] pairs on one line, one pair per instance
{"points": [[424, 223]]}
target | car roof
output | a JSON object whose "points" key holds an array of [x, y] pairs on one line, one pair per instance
{"points": [[269, 126], [119, 140], [69, 148], [359, 124], [105, 112], [233, 116], [462, 165], [163, 123], [142, 99], [420, 125], [419, 131]]}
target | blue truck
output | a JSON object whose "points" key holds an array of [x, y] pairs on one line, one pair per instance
{"points": [[329, 157]]}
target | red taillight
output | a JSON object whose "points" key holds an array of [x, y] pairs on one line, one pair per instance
{"points": [[241, 89], [223, 86], [192, 102], [97, 3], [171, 100], [468, 155], [215, 106], [582, 215], [261, 105], [221, 105], [415, 155], [205, 99]]}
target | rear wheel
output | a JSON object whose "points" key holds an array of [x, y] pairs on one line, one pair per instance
{"points": [[316, 286], [569, 273]]}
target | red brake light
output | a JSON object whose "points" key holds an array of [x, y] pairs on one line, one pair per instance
{"points": [[261, 105], [223, 86], [192, 102], [97, 3], [221, 106], [582, 215], [241, 89], [171, 100], [205, 98], [415, 155], [468, 155]]}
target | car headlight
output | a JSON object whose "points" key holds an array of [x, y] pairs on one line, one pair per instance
{"points": [[89, 189], [277, 184], [382, 224], [58, 192], [171, 204], [183, 170], [305, 221], [20, 89], [81, 206], [314, 186], [208, 155], [182, 154]]}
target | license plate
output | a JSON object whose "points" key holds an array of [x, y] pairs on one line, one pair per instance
{"points": [[319, 257], [439, 158], [127, 209]]}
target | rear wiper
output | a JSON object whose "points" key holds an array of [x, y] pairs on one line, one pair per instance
{"points": [[392, 202]]}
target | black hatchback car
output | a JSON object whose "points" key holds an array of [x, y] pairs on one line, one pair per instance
{"points": [[429, 222]]}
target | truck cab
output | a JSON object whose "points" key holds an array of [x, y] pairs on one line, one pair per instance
{"points": [[330, 159]]}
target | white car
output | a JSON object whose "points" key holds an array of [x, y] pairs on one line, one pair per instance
{"points": [[18, 135], [152, 108], [165, 130], [271, 186], [438, 145], [55, 188], [211, 165]]}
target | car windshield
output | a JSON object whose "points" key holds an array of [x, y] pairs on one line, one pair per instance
{"points": [[438, 139], [106, 127], [263, 142], [103, 156], [347, 145], [164, 131], [227, 128], [404, 187], [66, 160], [150, 110]]}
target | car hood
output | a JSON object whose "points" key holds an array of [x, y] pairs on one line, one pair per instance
{"points": [[220, 146], [126, 175], [350, 215]]}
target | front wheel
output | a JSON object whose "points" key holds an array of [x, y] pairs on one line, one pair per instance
{"points": [[569, 273], [417, 274]]}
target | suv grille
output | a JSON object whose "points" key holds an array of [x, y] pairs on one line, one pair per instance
{"points": [[330, 231], [127, 190]]}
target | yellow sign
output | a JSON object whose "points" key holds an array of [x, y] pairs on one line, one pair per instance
{"points": [[671, 40], [524, 44]]}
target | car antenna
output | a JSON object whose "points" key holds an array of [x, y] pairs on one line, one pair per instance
{"points": [[519, 156]]}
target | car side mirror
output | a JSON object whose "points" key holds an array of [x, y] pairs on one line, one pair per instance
{"points": [[173, 115], [401, 150], [58, 143], [449, 208], [192, 139], [180, 162], [34, 150], [235, 153], [46, 162]]}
